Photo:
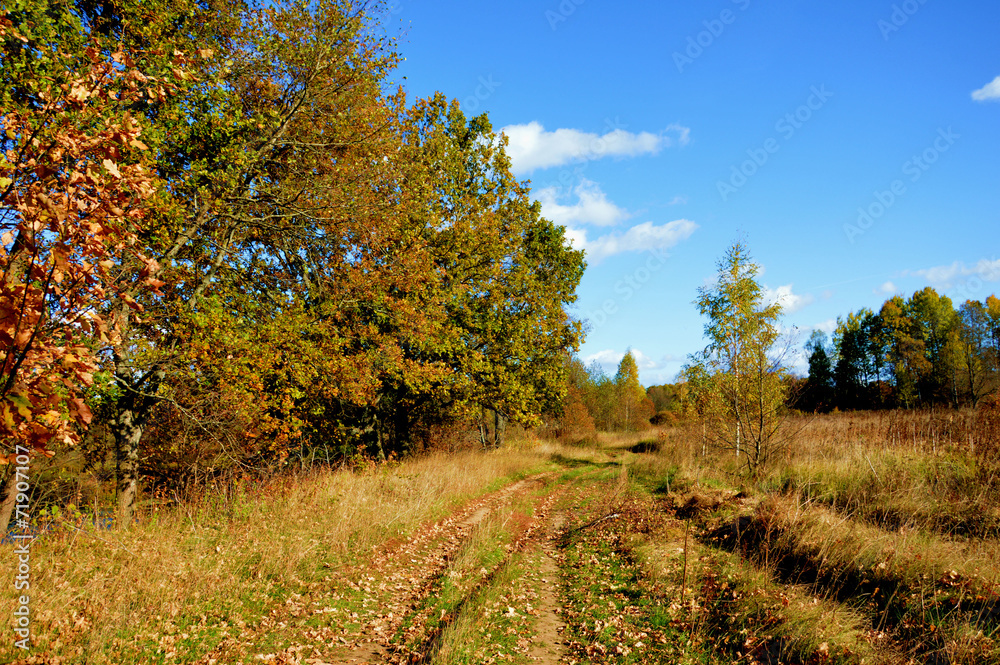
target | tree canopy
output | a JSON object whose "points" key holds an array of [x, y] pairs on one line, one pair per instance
{"points": [[226, 240]]}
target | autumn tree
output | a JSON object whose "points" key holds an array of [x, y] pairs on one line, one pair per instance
{"points": [[974, 339], [992, 310], [905, 353], [507, 275], [75, 184], [664, 397], [916, 352], [694, 387], [854, 363], [272, 168], [284, 255], [572, 418], [745, 394], [934, 321], [633, 408]]}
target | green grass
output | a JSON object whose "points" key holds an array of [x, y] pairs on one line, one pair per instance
{"points": [[493, 624]]}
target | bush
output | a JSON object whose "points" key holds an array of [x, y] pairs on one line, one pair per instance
{"points": [[576, 423], [664, 418]]}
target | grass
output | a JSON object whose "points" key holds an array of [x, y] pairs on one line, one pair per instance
{"points": [[494, 624], [181, 582], [896, 488], [924, 588], [879, 518], [871, 540]]}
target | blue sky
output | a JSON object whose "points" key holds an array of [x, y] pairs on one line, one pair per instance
{"points": [[854, 145]]}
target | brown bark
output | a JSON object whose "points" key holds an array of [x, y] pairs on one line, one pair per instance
{"points": [[9, 499]]}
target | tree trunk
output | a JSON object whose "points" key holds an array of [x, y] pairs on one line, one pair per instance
{"points": [[9, 499], [738, 432], [401, 427], [499, 425], [378, 438], [133, 410], [128, 433]]}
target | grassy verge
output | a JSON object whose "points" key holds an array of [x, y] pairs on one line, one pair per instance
{"points": [[896, 488]]}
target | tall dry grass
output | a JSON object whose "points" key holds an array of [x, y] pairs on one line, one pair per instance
{"points": [[912, 469], [865, 505], [224, 559]]}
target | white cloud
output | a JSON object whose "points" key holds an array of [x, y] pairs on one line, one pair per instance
{"points": [[887, 288], [678, 200], [989, 91], [828, 326], [530, 147], [592, 206], [606, 358], [644, 362], [577, 238], [645, 236], [609, 359], [945, 277], [791, 302]]}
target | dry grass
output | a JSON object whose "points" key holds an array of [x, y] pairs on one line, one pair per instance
{"points": [[896, 499], [930, 431], [725, 595], [182, 579], [931, 593], [885, 515]]}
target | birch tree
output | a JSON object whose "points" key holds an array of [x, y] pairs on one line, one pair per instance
{"points": [[746, 392]]}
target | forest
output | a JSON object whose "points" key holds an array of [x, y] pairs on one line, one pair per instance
{"points": [[229, 242], [913, 353], [917, 352]]}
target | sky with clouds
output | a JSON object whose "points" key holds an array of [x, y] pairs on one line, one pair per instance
{"points": [[855, 147]]}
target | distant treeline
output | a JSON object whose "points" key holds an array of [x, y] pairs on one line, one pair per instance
{"points": [[912, 353], [595, 401]]}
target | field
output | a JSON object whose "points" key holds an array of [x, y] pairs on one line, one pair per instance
{"points": [[873, 540]]}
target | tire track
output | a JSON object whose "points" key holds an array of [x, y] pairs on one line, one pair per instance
{"points": [[548, 643], [414, 570], [394, 583]]}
